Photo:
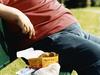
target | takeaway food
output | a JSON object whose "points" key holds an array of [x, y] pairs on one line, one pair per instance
{"points": [[43, 60]]}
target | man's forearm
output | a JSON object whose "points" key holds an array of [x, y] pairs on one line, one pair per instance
{"points": [[9, 13], [18, 17]]}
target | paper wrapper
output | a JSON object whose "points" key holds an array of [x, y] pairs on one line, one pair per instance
{"points": [[42, 62]]}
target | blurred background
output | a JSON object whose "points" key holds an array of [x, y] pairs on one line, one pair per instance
{"points": [[79, 3]]}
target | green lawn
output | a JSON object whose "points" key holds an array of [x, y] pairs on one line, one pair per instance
{"points": [[89, 18]]}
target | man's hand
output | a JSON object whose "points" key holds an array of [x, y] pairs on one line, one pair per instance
{"points": [[52, 69], [26, 25]]}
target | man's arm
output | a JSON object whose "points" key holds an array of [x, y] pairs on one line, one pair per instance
{"points": [[8, 13], [13, 14]]}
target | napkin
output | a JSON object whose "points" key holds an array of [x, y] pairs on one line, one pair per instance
{"points": [[29, 53]]}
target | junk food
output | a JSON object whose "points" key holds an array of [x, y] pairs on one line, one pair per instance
{"points": [[43, 60]]}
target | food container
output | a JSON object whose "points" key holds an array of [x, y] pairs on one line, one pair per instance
{"points": [[43, 61]]}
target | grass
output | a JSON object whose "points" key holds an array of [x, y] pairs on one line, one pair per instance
{"points": [[13, 67], [89, 18]]}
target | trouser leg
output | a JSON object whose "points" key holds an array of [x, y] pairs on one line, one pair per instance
{"points": [[87, 58], [81, 54], [74, 52], [91, 37]]}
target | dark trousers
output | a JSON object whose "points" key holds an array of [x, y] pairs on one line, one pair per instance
{"points": [[77, 50]]}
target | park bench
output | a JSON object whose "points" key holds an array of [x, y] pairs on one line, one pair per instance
{"points": [[4, 58]]}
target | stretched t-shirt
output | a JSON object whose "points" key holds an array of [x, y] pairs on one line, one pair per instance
{"points": [[47, 17]]}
